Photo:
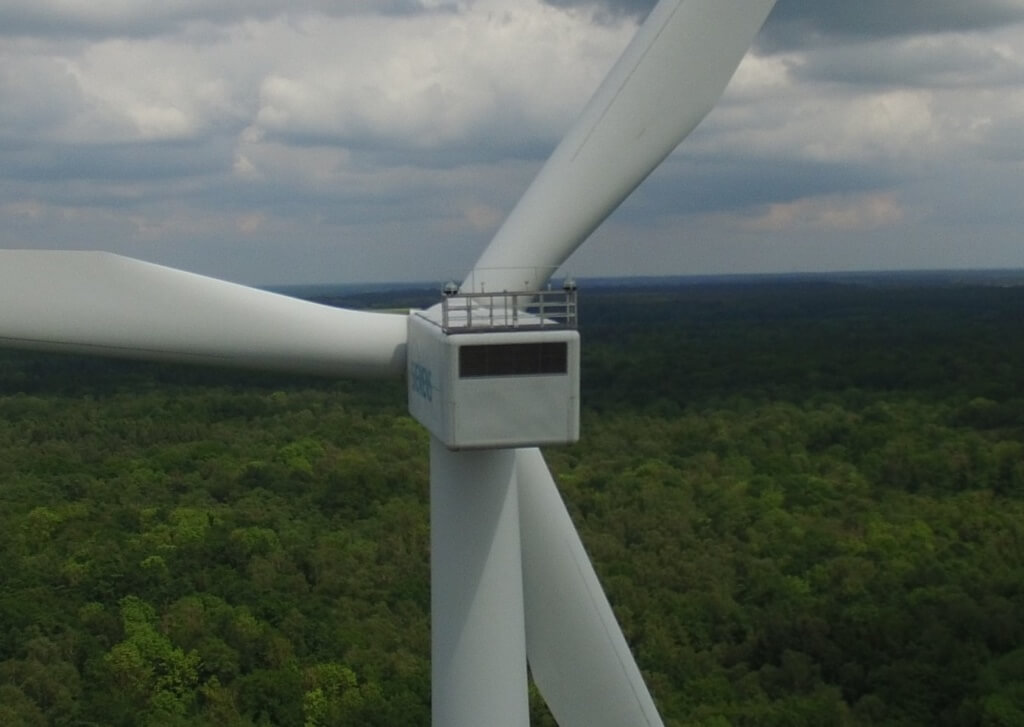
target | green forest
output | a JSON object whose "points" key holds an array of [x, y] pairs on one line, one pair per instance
{"points": [[804, 497]]}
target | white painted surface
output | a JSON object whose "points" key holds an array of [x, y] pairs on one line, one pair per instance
{"points": [[665, 83], [578, 656], [104, 304], [478, 659]]}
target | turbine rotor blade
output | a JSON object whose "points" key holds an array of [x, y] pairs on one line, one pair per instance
{"points": [[579, 658], [665, 83], [104, 304]]}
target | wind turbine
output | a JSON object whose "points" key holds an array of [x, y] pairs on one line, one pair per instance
{"points": [[511, 584]]}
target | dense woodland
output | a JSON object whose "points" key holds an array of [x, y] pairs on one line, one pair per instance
{"points": [[805, 499]]}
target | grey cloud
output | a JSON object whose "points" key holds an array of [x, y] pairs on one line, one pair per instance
{"points": [[718, 184], [117, 162], [150, 18], [804, 23], [487, 143], [944, 64], [638, 8], [25, 110], [1001, 142]]}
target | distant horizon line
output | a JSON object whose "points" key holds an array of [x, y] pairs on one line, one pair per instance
{"points": [[947, 275]]}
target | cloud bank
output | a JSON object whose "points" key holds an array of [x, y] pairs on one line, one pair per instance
{"points": [[343, 141]]}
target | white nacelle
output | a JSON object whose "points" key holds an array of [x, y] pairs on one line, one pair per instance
{"points": [[494, 388]]}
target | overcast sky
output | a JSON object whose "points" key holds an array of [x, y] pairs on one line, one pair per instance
{"points": [[374, 140]]}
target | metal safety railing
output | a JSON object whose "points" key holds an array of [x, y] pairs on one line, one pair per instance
{"points": [[480, 312]]}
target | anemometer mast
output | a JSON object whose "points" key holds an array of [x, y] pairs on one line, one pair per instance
{"points": [[496, 370]]}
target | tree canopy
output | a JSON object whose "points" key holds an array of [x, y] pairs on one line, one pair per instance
{"points": [[805, 500]]}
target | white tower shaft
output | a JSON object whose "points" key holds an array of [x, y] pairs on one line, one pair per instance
{"points": [[476, 597]]}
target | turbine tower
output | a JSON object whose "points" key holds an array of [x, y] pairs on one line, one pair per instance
{"points": [[511, 584]]}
